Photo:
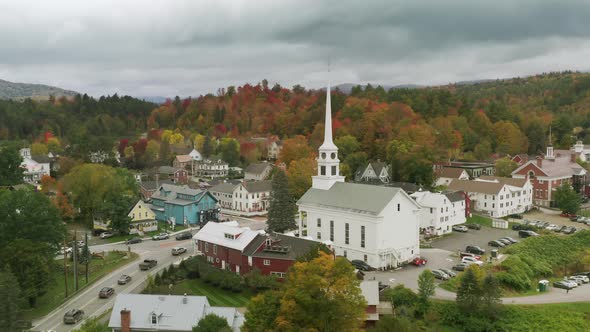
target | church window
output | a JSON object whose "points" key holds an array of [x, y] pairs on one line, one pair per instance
{"points": [[333, 155], [323, 155], [346, 233], [344, 254], [319, 235], [331, 230], [323, 170], [333, 170], [398, 207], [319, 222], [154, 318], [365, 258], [362, 236]]}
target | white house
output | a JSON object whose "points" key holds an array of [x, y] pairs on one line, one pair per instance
{"points": [[445, 175], [257, 171], [249, 198], [497, 196], [211, 168], [378, 225], [196, 155], [35, 167], [375, 171], [274, 150], [440, 211]]}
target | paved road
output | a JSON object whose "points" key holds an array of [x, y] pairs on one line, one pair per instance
{"points": [[88, 299]]}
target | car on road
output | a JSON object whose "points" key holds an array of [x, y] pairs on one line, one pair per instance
{"points": [[147, 264], [178, 251], [184, 236], [361, 265], [134, 240], [460, 267], [73, 316], [106, 235], [526, 233], [509, 239], [475, 250], [106, 292], [460, 228], [471, 260], [562, 284], [473, 226], [440, 275], [161, 236], [449, 272], [124, 280]]}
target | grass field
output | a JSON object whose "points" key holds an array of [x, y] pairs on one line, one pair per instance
{"points": [[561, 317], [216, 296], [484, 221], [56, 293]]}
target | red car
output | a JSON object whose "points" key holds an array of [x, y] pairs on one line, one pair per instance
{"points": [[567, 215], [419, 261]]}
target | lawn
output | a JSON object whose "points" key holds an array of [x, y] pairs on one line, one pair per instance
{"points": [[216, 295], [476, 219], [56, 293], [452, 285]]}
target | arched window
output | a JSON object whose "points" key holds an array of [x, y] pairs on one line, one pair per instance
{"points": [[154, 318], [531, 175]]}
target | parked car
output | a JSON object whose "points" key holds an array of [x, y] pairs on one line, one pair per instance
{"points": [[106, 235], [471, 260], [361, 265], [567, 215], [460, 267], [587, 274], [552, 227], [569, 230], [460, 228], [562, 284], [440, 275], [147, 264], [178, 251], [475, 250], [467, 254], [574, 282], [184, 236], [504, 242], [449, 272], [526, 233], [473, 226], [134, 240], [106, 292], [574, 218], [73, 316], [577, 280], [582, 277], [161, 236], [124, 280], [510, 239]]}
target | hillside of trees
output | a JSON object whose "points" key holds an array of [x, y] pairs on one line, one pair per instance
{"points": [[408, 127], [19, 91]]}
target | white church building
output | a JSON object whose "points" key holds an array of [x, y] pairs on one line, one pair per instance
{"points": [[378, 225]]}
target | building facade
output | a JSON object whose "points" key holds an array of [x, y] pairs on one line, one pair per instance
{"points": [[248, 198], [181, 205], [211, 168], [376, 171], [257, 171], [34, 167], [440, 211], [445, 175]]}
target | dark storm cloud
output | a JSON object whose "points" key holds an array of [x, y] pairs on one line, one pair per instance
{"points": [[193, 47]]}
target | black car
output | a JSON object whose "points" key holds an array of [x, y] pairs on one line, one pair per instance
{"points": [[184, 236], [562, 284], [361, 265], [526, 233], [509, 239], [73, 316], [495, 243], [473, 226], [475, 250], [134, 240], [440, 275], [106, 292]]}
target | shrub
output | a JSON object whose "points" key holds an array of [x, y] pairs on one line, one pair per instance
{"points": [[401, 296]]}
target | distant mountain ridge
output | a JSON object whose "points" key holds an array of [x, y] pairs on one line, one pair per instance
{"points": [[11, 90], [347, 87]]}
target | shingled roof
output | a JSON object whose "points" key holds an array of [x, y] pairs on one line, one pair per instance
{"points": [[296, 246], [257, 168], [449, 172], [469, 186], [257, 186]]}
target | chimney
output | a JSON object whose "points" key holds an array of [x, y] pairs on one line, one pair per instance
{"points": [[125, 320], [539, 162], [573, 157]]}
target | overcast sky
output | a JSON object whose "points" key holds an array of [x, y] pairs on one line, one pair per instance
{"points": [[167, 48]]}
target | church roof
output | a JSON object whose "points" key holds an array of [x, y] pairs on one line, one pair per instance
{"points": [[359, 198]]}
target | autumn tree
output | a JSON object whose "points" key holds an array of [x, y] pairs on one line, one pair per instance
{"points": [[509, 139], [505, 166], [282, 208], [299, 173], [10, 171], [39, 149], [295, 148], [262, 312]]}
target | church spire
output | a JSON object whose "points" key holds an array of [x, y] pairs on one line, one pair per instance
{"points": [[328, 143], [549, 154]]}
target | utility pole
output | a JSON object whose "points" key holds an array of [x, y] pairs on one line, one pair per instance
{"points": [[75, 260], [87, 253], [66, 266]]}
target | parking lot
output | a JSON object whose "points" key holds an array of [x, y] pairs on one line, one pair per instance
{"points": [[458, 241]]}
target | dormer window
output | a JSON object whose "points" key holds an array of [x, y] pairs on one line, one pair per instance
{"points": [[154, 318]]}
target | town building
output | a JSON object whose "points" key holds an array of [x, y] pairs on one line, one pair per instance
{"points": [[257, 171], [174, 313], [34, 167], [196, 155], [440, 211], [375, 224], [274, 149], [211, 168], [148, 188], [370, 291], [444, 175], [181, 205], [376, 171], [497, 196], [241, 250], [143, 219], [248, 198], [182, 161], [475, 169], [177, 175]]}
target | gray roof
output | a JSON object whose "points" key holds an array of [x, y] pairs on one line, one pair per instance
{"points": [[455, 196], [359, 198], [258, 186], [41, 159], [173, 314], [297, 246], [175, 190], [167, 169], [224, 187], [257, 168], [153, 185], [378, 166]]}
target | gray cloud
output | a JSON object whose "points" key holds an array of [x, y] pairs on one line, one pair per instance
{"points": [[194, 47]]}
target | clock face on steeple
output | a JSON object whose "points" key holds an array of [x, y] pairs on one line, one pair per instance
{"points": [[323, 155]]}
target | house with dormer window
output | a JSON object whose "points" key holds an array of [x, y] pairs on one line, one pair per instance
{"points": [[181, 205]]}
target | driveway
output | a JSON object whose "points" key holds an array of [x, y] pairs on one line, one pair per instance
{"points": [[554, 219]]}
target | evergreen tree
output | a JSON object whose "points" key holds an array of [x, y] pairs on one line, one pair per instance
{"points": [[207, 148], [11, 299], [491, 302], [567, 199], [282, 208], [426, 287], [10, 171], [469, 292]]}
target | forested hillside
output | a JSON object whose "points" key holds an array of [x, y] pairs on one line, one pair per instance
{"points": [[410, 127], [19, 91]]}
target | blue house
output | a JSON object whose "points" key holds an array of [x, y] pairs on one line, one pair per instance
{"points": [[181, 205]]}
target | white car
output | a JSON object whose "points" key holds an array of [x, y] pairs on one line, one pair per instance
{"points": [[579, 280], [552, 227], [573, 283], [584, 278], [471, 260]]}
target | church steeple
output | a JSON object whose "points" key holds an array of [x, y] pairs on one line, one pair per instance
{"points": [[328, 162], [549, 154]]}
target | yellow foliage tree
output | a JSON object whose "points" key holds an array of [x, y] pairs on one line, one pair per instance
{"points": [[39, 149]]}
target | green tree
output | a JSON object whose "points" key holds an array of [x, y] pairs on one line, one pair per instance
{"points": [[39, 149], [389, 323], [93, 325], [229, 149], [401, 296], [10, 171], [354, 161], [207, 146], [505, 166], [10, 312], [469, 291], [115, 209], [490, 299], [567, 199], [536, 136], [262, 312], [212, 323], [483, 150], [426, 288], [347, 145], [282, 208]]}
